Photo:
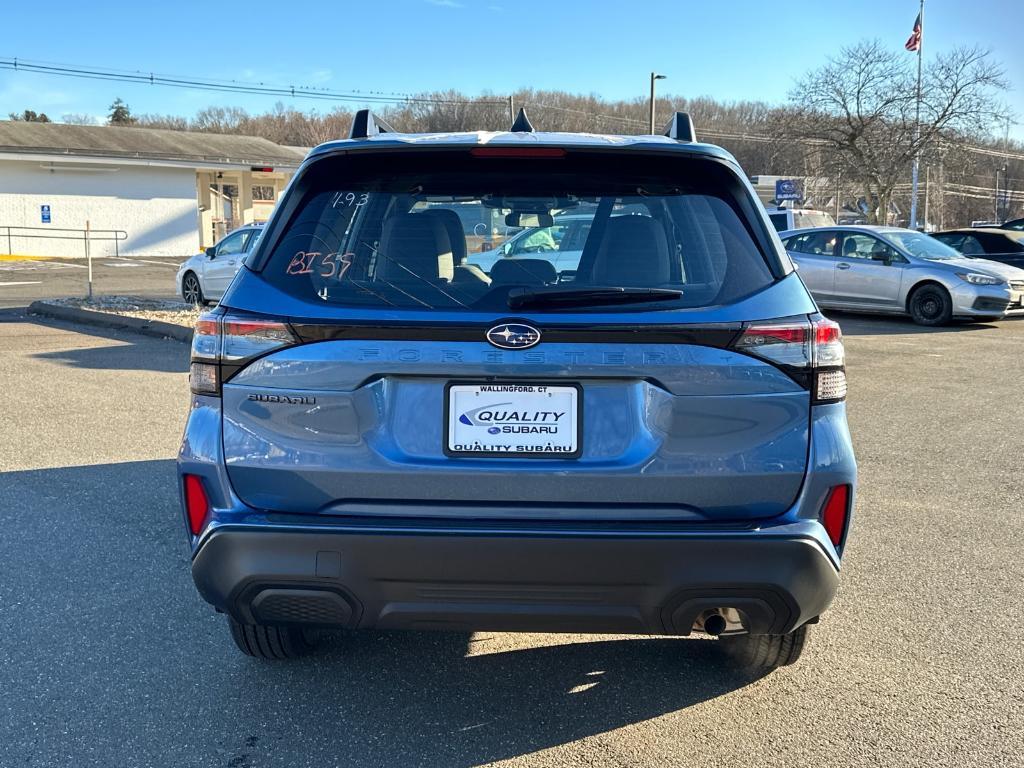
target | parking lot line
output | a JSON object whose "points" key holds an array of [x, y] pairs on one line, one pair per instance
{"points": [[22, 282], [172, 262]]}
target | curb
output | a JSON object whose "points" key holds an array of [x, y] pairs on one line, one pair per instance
{"points": [[156, 328]]}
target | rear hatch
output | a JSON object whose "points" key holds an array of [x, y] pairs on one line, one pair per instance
{"points": [[367, 370]]}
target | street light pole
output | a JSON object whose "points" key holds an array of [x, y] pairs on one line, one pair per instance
{"points": [[654, 77], [998, 202]]}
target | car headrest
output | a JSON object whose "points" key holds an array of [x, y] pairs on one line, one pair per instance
{"points": [[849, 246], [523, 272], [453, 226], [414, 245], [633, 252]]}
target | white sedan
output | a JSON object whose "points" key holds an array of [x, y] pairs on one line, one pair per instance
{"points": [[205, 276], [561, 244]]}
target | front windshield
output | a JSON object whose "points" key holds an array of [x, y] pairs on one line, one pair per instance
{"points": [[923, 246]]}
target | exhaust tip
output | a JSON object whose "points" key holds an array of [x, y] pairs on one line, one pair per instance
{"points": [[715, 624]]}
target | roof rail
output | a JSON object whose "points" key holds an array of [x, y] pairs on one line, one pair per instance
{"points": [[522, 123], [366, 124], [680, 127]]}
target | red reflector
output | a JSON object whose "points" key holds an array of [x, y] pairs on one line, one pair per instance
{"points": [[833, 514], [197, 505], [517, 152]]}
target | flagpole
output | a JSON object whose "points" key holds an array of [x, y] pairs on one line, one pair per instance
{"points": [[917, 129]]}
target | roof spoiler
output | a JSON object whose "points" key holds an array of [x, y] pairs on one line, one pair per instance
{"points": [[366, 124], [680, 127], [522, 123]]}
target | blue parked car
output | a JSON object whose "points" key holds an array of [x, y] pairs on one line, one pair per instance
{"points": [[382, 435]]}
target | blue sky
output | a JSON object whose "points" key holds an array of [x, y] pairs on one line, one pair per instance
{"points": [[729, 50]]}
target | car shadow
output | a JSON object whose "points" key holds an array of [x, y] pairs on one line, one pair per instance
{"points": [[856, 324], [132, 350], [427, 702], [106, 636]]}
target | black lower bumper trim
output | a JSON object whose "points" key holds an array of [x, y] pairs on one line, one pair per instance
{"points": [[467, 581], [987, 304]]}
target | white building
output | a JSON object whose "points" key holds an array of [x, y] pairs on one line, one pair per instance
{"points": [[171, 192]]}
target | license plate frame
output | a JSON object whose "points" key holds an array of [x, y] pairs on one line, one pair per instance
{"points": [[576, 428]]}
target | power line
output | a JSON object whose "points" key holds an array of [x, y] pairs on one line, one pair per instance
{"points": [[87, 72], [221, 86]]}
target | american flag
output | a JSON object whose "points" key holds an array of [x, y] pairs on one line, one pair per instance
{"points": [[914, 41]]}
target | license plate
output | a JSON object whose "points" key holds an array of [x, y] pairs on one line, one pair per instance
{"points": [[504, 419]]}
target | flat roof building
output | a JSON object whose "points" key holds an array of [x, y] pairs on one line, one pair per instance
{"points": [[172, 192]]}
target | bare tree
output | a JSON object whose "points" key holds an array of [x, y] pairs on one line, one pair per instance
{"points": [[861, 109], [78, 118]]}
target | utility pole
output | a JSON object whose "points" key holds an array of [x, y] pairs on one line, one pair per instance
{"points": [[927, 178], [839, 186], [917, 126], [654, 77], [511, 109], [942, 190]]}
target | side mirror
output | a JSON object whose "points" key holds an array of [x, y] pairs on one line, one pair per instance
{"points": [[885, 258], [211, 251]]}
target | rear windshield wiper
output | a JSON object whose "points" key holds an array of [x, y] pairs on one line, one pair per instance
{"points": [[585, 296]]}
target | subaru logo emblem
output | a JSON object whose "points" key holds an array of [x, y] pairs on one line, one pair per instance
{"points": [[513, 336]]}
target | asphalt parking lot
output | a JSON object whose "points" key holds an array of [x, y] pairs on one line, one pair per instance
{"points": [[24, 281], [108, 657]]}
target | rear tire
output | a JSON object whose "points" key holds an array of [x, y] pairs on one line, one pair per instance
{"points": [[766, 652], [930, 305], [270, 643], [192, 290]]}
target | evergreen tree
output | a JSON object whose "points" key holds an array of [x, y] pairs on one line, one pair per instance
{"points": [[120, 114], [30, 116]]}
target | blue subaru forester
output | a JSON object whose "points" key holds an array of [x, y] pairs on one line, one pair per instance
{"points": [[633, 424]]}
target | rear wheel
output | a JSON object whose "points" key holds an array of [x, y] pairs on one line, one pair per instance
{"points": [[191, 290], [931, 305], [766, 652], [272, 643]]}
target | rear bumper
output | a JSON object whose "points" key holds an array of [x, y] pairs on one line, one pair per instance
{"points": [[542, 581]]}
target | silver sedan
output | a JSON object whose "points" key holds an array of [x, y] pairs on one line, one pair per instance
{"points": [[900, 271], [204, 277]]}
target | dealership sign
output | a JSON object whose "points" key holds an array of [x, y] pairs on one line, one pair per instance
{"points": [[786, 189]]}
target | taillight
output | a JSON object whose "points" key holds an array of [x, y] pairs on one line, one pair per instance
{"points": [[835, 512], [204, 371], [809, 350], [197, 505], [787, 344], [222, 344]]}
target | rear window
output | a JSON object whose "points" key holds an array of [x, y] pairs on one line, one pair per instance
{"points": [[452, 231], [810, 219], [813, 243]]}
